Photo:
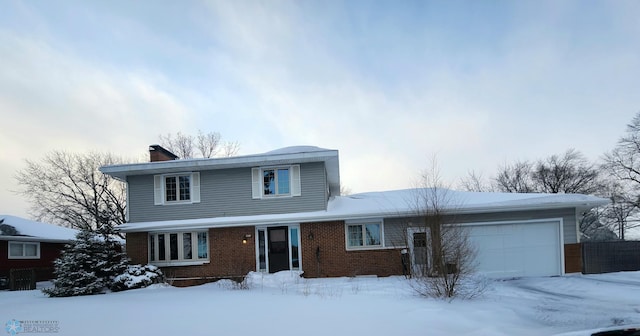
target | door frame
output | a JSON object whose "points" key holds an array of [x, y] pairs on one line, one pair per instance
{"points": [[416, 269], [289, 227]]}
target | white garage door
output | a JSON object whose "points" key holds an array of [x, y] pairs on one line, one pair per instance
{"points": [[518, 249]]}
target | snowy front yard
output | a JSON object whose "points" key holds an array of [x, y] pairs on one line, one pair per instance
{"points": [[283, 304]]}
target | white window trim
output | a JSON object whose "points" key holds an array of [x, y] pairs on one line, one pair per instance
{"points": [[364, 247], [167, 247], [266, 238], [257, 179], [37, 244], [159, 185]]}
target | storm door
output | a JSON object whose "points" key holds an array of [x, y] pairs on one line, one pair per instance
{"points": [[418, 251], [278, 249]]}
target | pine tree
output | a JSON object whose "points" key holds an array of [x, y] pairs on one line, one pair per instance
{"points": [[88, 265]]}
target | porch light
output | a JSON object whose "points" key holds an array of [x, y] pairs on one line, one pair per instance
{"points": [[245, 238], [310, 236]]}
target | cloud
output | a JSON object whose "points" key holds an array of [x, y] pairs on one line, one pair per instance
{"points": [[52, 99]]}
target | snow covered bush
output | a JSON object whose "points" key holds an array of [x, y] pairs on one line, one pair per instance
{"points": [[137, 276], [87, 265]]}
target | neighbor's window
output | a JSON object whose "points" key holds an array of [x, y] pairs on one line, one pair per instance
{"points": [[177, 188], [178, 247], [24, 250], [364, 235], [275, 181]]}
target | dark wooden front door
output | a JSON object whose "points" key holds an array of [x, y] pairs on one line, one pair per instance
{"points": [[278, 249]]}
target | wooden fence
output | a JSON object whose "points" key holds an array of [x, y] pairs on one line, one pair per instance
{"points": [[22, 279], [614, 256]]}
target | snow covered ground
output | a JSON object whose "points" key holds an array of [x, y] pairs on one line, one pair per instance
{"points": [[284, 304]]}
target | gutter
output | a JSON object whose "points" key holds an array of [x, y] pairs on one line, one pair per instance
{"points": [[239, 221]]}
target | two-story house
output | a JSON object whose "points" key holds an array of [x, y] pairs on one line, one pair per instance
{"points": [[206, 219]]}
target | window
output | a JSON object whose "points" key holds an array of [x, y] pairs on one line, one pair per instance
{"points": [[177, 248], [24, 250], [294, 246], [275, 182], [177, 188], [270, 182], [364, 235]]}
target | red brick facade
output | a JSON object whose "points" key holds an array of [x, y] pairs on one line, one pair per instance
{"points": [[324, 254], [229, 256]]}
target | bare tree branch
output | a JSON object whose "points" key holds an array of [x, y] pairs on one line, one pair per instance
{"points": [[67, 189], [207, 145]]}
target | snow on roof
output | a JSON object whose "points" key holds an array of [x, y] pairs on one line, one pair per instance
{"points": [[36, 231], [395, 203], [296, 150]]}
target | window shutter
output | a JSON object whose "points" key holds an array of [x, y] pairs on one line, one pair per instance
{"points": [[295, 181], [195, 187], [255, 183], [157, 189]]}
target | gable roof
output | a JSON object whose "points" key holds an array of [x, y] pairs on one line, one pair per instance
{"points": [[282, 156], [28, 230], [395, 203]]}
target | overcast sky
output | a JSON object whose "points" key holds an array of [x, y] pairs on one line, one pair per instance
{"points": [[388, 83]]}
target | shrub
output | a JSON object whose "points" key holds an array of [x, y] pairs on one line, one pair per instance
{"points": [[137, 276]]}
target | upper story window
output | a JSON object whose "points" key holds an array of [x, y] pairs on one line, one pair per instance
{"points": [[24, 250], [177, 188], [276, 181]]}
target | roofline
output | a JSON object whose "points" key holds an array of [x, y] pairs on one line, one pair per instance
{"points": [[123, 170], [35, 239], [329, 156], [307, 217]]}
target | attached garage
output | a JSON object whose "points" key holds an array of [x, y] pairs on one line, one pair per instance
{"points": [[515, 249]]}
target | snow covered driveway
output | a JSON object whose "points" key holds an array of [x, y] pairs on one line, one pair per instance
{"points": [[283, 304]]}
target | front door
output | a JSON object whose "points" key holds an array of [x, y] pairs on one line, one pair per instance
{"points": [[278, 249], [418, 251]]}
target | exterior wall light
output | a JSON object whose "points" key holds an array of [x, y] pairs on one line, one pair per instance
{"points": [[245, 238]]}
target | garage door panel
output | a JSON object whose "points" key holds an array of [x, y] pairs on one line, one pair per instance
{"points": [[517, 249]]}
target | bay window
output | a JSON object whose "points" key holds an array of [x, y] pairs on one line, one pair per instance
{"points": [[178, 247]]}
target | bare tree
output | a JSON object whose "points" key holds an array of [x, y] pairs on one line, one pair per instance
{"points": [[67, 189], [449, 253], [570, 173], [179, 144], [515, 178], [230, 148], [621, 214], [475, 182], [208, 145]]}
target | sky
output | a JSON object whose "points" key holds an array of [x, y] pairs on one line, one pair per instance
{"points": [[390, 84]]}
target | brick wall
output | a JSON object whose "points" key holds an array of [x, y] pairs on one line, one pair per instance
{"points": [[229, 257], [326, 256]]}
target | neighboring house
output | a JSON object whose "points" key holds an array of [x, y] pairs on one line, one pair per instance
{"points": [[28, 244], [205, 219]]}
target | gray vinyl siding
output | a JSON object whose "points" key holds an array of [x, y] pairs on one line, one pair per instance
{"points": [[395, 228], [227, 192]]}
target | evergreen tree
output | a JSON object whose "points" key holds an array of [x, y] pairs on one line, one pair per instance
{"points": [[88, 265]]}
